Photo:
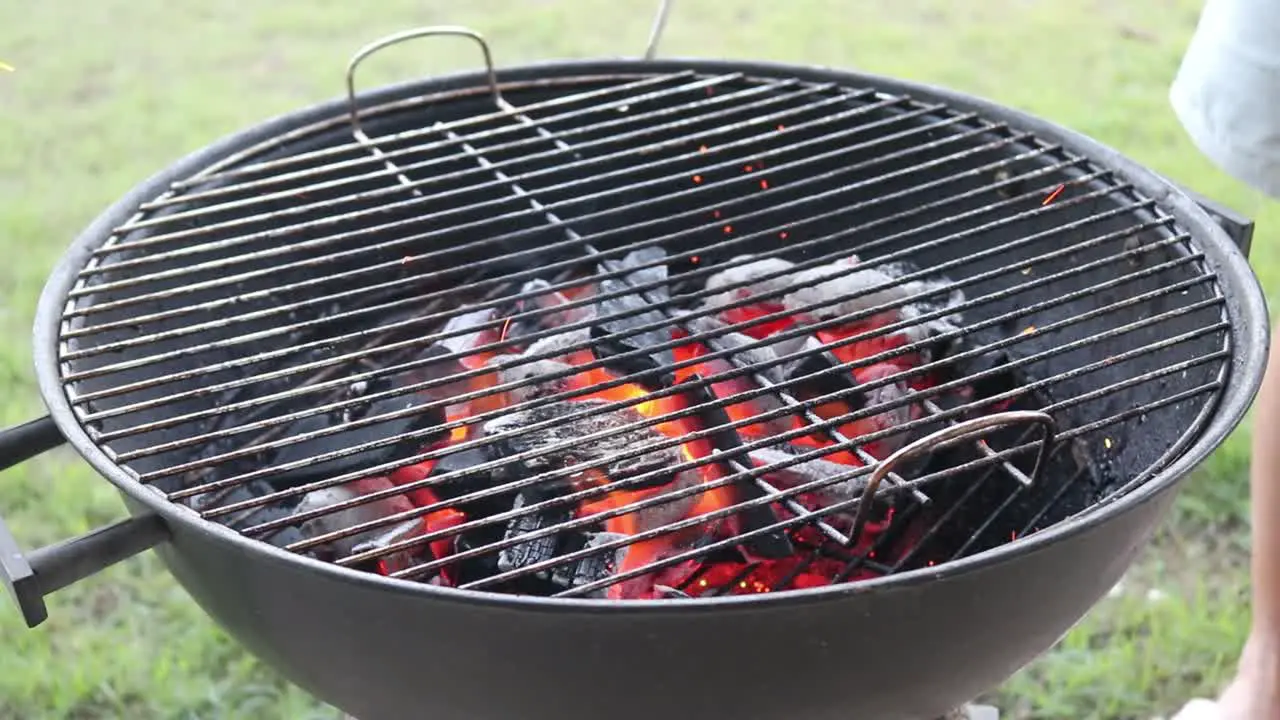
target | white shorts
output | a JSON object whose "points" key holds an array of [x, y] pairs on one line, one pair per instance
{"points": [[1227, 90]]}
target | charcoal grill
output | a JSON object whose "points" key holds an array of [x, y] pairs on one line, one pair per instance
{"points": [[319, 361]]}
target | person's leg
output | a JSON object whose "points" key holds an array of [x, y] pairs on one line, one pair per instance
{"points": [[1254, 693]]}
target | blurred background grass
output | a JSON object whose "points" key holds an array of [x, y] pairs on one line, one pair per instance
{"points": [[106, 93]]}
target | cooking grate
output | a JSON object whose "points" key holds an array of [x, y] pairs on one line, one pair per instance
{"points": [[242, 343]]}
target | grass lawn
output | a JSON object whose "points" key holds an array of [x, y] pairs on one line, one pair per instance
{"points": [[107, 92]]}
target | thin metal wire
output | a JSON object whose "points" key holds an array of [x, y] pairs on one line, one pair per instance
{"points": [[695, 337], [629, 118], [708, 548], [570, 161], [275, 175], [748, 446], [329, 219], [725, 245]]}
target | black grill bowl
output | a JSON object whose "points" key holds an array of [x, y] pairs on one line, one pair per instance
{"points": [[909, 645]]}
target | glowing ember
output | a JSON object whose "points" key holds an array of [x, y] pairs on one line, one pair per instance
{"points": [[661, 452], [1054, 195]]}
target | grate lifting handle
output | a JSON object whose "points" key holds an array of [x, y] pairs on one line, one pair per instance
{"points": [[29, 577], [964, 430]]}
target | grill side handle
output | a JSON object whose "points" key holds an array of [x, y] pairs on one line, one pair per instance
{"points": [[1238, 227], [30, 577]]}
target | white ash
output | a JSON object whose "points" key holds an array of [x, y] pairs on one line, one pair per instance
{"points": [[820, 286], [892, 417], [761, 359], [400, 559], [561, 344], [808, 471], [551, 303], [748, 272], [558, 443], [471, 320], [343, 519], [537, 378], [811, 294]]}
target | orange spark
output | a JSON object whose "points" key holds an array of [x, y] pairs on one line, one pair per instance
{"points": [[728, 229], [764, 184], [505, 327], [781, 128], [694, 260], [1054, 195], [747, 168], [702, 148], [697, 178], [783, 234]]}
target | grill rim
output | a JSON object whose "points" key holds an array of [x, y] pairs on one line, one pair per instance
{"points": [[1244, 302]]}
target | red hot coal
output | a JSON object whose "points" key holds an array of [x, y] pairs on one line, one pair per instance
{"points": [[605, 420]]}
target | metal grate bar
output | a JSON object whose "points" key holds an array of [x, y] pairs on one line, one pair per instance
{"points": [[716, 343], [236, 481], [664, 307], [418, 570], [275, 167], [505, 238], [850, 172], [330, 219], [738, 326], [747, 447], [936, 390], [724, 245], [616, 122]]}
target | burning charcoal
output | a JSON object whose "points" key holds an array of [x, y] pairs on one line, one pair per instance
{"points": [[613, 335], [401, 559], [892, 417], [348, 517], [552, 303], [269, 512], [821, 286], [749, 272], [538, 549], [302, 451], [819, 373], [807, 471], [464, 344], [460, 460], [726, 440], [761, 359], [531, 376], [511, 433], [591, 568], [1001, 377], [566, 343], [753, 358]]}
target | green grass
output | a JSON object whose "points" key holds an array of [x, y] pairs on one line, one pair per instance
{"points": [[106, 93]]}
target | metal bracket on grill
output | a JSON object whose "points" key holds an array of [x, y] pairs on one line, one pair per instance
{"points": [[353, 109], [946, 436], [659, 25], [1238, 227]]}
